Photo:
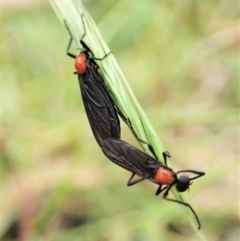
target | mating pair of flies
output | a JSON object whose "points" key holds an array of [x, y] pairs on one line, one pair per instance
{"points": [[103, 113]]}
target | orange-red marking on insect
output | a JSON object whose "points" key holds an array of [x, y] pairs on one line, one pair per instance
{"points": [[164, 176], [80, 63]]}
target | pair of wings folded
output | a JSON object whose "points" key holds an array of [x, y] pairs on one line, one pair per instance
{"points": [[105, 125], [130, 158], [99, 106]]}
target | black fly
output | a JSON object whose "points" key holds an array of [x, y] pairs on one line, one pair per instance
{"points": [[147, 167], [100, 109]]}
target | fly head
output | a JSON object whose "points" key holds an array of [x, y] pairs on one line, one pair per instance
{"points": [[183, 183]]}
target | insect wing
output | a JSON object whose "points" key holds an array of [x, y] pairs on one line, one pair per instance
{"points": [[96, 78], [128, 157], [101, 115]]}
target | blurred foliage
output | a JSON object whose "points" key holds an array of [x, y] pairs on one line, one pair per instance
{"points": [[181, 59]]}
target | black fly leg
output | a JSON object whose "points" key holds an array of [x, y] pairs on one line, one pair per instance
{"points": [[124, 118], [182, 203], [131, 182], [166, 155], [129, 123], [85, 47], [160, 189], [198, 173], [70, 41], [149, 147], [102, 57]]}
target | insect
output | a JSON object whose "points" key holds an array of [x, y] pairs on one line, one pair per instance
{"points": [[147, 167], [99, 106]]}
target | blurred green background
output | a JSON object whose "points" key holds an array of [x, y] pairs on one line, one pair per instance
{"points": [[181, 59]]}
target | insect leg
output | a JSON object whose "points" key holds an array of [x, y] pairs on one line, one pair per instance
{"points": [[85, 46], [182, 203], [160, 189], [131, 182], [198, 173], [166, 155], [149, 146], [125, 119], [129, 123], [84, 29], [102, 57], [70, 41]]}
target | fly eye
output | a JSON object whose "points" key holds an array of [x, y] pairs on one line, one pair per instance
{"points": [[183, 183]]}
